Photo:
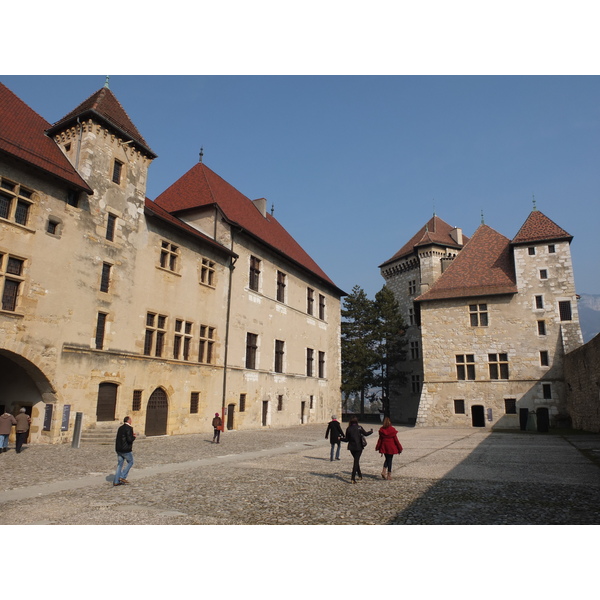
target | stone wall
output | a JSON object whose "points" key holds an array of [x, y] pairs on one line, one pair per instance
{"points": [[582, 368]]}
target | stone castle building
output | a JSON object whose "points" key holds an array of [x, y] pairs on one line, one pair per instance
{"points": [[168, 310], [490, 321]]}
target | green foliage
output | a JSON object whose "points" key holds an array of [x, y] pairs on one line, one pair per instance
{"points": [[372, 344]]}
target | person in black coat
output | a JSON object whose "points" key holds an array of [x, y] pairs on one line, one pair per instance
{"points": [[354, 439], [123, 448], [337, 435]]}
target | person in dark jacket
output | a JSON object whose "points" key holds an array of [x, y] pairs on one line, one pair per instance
{"points": [[217, 424], [388, 445], [337, 435], [123, 448], [353, 437]]}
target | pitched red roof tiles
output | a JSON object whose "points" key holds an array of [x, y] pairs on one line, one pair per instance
{"points": [[435, 231], [200, 187], [22, 136], [484, 267], [539, 228], [103, 105]]}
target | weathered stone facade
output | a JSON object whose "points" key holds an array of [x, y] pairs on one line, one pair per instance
{"points": [[122, 308], [582, 368]]}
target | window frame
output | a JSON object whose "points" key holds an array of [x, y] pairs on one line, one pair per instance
{"points": [[206, 344], [465, 367], [279, 356], [281, 286], [479, 314], [207, 272], [170, 255], [19, 199], [11, 280], [251, 350], [254, 273], [310, 359], [498, 366]]}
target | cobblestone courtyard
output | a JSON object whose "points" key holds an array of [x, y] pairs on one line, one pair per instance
{"points": [[444, 476]]}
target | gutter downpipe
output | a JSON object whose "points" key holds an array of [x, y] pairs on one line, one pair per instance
{"points": [[225, 355]]}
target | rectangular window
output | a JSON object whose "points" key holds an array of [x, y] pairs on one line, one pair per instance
{"points": [[543, 273], [544, 358], [15, 202], [551, 248], [459, 407], [154, 340], [169, 256], [415, 384], [279, 350], [539, 301], [498, 364], [117, 170], [547, 391], [310, 300], [412, 287], [414, 350], [251, 349], [478, 315], [105, 277], [411, 316], [280, 402], [510, 406], [311, 402], [11, 278], [310, 354], [564, 309], [136, 403], [194, 402], [182, 340], [206, 348], [281, 286], [207, 272], [111, 221], [242, 402], [531, 251], [321, 307], [465, 367], [100, 328], [541, 325], [52, 227], [254, 275], [321, 365]]}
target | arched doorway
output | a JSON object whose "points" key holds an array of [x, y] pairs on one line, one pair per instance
{"points": [[107, 402], [157, 413], [477, 416]]}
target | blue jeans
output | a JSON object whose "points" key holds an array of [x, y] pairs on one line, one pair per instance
{"points": [[122, 472], [337, 454], [4, 440]]}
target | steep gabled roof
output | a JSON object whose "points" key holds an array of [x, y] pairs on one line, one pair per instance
{"points": [[103, 106], [201, 187], [484, 267], [434, 232], [22, 136], [539, 228], [154, 210]]}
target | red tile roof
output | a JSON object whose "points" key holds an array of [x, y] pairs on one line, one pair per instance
{"points": [[155, 210], [22, 136], [434, 232], [200, 187], [104, 106], [484, 267], [539, 228]]}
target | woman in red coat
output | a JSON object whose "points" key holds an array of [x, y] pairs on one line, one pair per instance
{"points": [[389, 445]]}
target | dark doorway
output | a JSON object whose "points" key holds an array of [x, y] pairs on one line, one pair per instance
{"points": [[265, 412], [523, 418], [230, 414], [543, 420], [107, 402], [477, 416], [157, 413], [302, 412]]}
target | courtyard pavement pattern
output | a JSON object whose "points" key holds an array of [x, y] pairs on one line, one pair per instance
{"points": [[284, 476]]}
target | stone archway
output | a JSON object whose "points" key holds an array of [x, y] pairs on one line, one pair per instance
{"points": [[157, 413]]}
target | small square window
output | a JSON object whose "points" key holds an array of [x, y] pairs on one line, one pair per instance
{"points": [[564, 309], [543, 273], [510, 406], [459, 407], [117, 171], [544, 358], [547, 391], [539, 301], [541, 325], [551, 248], [531, 250]]}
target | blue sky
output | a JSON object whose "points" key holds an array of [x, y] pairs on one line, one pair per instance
{"points": [[355, 165]]}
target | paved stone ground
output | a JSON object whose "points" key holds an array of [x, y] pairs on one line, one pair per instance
{"points": [[444, 476]]}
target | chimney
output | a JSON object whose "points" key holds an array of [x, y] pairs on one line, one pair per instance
{"points": [[456, 235], [261, 204]]}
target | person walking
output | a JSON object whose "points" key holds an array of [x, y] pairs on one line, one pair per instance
{"points": [[353, 436], [7, 421], [388, 445], [335, 429], [23, 422], [123, 448], [217, 424]]}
